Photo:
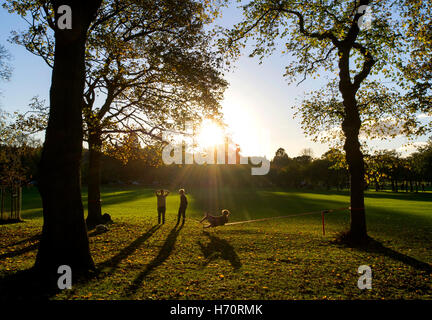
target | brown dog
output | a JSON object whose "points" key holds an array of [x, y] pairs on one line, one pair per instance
{"points": [[215, 221]]}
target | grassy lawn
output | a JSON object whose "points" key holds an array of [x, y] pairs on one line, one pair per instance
{"points": [[275, 259]]}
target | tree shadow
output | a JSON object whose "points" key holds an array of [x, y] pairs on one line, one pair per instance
{"points": [[31, 284], [113, 262], [219, 248], [375, 247], [382, 194], [32, 203], [32, 238], [126, 195], [400, 196], [162, 256], [27, 285], [11, 221], [19, 251]]}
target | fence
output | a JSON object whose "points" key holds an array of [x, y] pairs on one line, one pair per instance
{"points": [[10, 202]]}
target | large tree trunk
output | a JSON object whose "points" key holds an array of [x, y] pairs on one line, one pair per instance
{"points": [[64, 238], [94, 200], [354, 156], [355, 162]]}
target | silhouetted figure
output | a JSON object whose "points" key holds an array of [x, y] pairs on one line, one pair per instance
{"points": [[423, 187], [183, 206], [161, 204]]}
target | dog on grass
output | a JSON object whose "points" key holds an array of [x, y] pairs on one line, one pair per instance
{"points": [[215, 221]]}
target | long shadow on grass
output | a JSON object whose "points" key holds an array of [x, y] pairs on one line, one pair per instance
{"points": [[32, 238], [219, 248], [19, 251], [386, 194], [127, 195], [119, 195], [163, 254], [400, 196], [113, 263], [247, 204], [27, 285], [376, 247]]}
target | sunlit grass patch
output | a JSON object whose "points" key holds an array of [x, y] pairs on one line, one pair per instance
{"points": [[275, 259]]}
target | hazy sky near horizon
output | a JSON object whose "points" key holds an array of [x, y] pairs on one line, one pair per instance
{"points": [[258, 103]]}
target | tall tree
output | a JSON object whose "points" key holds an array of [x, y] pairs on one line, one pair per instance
{"points": [[417, 68], [325, 36], [64, 238], [149, 68], [157, 72]]}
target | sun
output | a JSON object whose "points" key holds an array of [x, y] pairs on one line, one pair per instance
{"points": [[210, 134], [245, 128]]}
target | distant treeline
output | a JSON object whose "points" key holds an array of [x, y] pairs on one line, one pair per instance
{"points": [[385, 170]]}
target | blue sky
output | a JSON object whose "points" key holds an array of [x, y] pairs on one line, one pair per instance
{"points": [[257, 93]]}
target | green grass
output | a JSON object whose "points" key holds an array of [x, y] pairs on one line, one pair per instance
{"points": [[275, 259]]}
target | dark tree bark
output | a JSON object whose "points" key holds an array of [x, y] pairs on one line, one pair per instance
{"points": [[64, 238], [94, 199], [354, 156], [94, 125]]}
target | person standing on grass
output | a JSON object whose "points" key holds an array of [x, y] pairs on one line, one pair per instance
{"points": [[183, 206], [161, 204]]}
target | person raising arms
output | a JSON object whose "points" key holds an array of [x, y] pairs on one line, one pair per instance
{"points": [[161, 204]]}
